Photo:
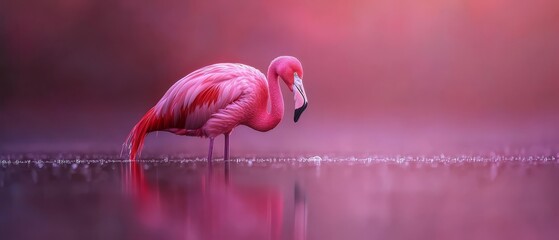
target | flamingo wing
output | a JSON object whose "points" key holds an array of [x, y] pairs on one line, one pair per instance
{"points": [[208, 101]]}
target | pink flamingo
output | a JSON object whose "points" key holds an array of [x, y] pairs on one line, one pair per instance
{"points": [[215, 99]]}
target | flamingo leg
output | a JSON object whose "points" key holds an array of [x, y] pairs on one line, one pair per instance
{"points": [[226, 155], [226, 151], [210, 152]]}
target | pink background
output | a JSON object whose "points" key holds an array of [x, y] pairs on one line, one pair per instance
{"points": [[385, 76]]}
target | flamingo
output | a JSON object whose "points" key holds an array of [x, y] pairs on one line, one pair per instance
{"points": [[215, 99]]}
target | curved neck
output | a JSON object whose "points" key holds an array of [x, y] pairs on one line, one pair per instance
{"points": [[265, 120]]}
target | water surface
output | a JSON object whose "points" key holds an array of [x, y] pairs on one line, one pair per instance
{"points": [[101, 196]]}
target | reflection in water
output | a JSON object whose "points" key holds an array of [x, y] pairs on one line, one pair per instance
{"points": [[214, 207], [328, 198], [300, 221]]}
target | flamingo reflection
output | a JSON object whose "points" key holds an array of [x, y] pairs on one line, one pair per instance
{"points": [[212, 207]]}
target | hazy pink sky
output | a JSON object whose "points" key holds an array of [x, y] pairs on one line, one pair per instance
{"points": [[381, 76]]}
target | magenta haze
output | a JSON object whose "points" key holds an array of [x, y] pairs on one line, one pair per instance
{"points": [[384, 74]]}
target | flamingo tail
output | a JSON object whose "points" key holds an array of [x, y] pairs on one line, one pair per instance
{"points": [[135, 140]]}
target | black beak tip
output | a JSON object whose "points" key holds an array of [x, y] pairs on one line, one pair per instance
{"points": [[299, 111]]}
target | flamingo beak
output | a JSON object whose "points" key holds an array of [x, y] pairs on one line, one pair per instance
{"points": [[300, 97]]}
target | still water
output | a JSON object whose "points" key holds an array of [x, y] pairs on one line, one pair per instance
{"points": [[102, 196]]}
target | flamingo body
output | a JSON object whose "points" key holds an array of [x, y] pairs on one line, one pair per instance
{"points": [[215, 99], [212, 100]]}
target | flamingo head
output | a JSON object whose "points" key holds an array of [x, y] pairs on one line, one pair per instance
{"points": [[291, 72]]}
